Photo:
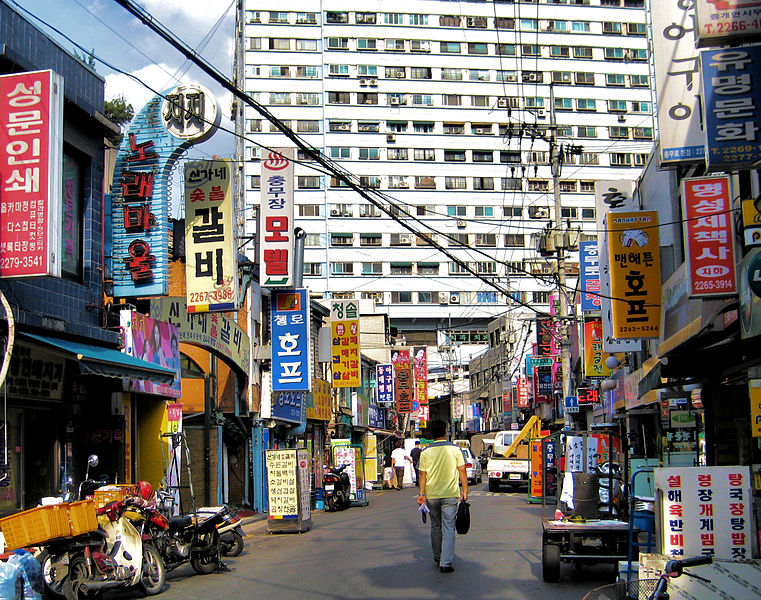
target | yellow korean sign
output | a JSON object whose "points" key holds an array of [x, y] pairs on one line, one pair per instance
{"points": [[320, 406], [635, 274], [345, 352], [754, 387], [594, 357]]}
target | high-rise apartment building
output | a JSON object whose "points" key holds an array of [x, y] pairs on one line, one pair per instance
{"points": [[451, 114]]}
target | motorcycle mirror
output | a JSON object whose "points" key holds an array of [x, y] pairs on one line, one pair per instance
{"points": [[93, 460]]}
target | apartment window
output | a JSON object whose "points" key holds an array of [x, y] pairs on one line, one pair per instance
{"points": [[422, 126], [565, 131], [370, 239], [339, 125], [307, 45], [569, 212], [419, 20], [368, 126], [540, 297], [449, 47], [484, 212], [401, 268], [312, 72], [586, 131], [458, 239], [509, 156], [280, 44], [367, 44], [533, 102], [401, 297], [587, 186], [479, 101], [512, 184], [453, 74], [425, 182], [529, 25], [306, 18], [483, 156], [538, 185], [451, 100], [531, 50], [537, 157], [486, 267], [636, 29], [310, 210], [478, 75], [427, 268], [449, 21], [253, 16], [313, 269], [340, 152], [639, 80], [589, 158], [280, 71], [341, 268], [341, 210], [557, 26], [454, 128], [367, 98], [308, 182], [397, 154], [454, 155], [338, 43], [365, 18], [560, 52], [483, 183], [396, 182], [614, 53], [339, 98], [310, 99], [427, 297], [639, 54], [424, 211], [396, 126], [280, 98], [420, 46], [616, 105], [611, 28], [369, 181], [341, 239], [422, 100], [561, 77], [481, 129], [615, 79], [506, 50], [369, 154], [642, 133], [478, 48], [640, 159], [617, 132], [515, 240], [372, 268], [313, 240], [332, 16], [456, 268], [253, 125], [285, 124], [394, 45], [569, 185], [582, 52], [580, 26], [585, 78], [424, 154], [515, 269], [486, 240], [457, 211], [367, 70], [586, 104], [392, 18], [420, 73], [455, 183], [396, 73], [254, 182], [394, 99], [563, 103], [504, 23], [640, 107], [620, 159]]}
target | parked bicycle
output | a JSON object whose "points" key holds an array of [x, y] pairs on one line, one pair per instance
{"points": [[651, 589]]}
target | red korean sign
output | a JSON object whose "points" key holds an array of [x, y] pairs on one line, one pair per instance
{"points": [[708, 231], [522, 388], [404, 384], [276, 220], [31, 109]]}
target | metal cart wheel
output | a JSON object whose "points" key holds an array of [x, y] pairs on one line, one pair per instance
{"points": [[550, 562]]}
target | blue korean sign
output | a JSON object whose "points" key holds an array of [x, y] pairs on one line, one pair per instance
{"points": [[376, 417], [589, 259], [384, 377], [291, 370], [731, 86], [571, 404], [289, 406]]}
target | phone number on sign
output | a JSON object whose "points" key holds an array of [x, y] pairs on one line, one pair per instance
{"points": [[213, 296], [14, 262], [720, 284]]}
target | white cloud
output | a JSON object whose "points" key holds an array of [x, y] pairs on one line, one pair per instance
{"points": [[156, 76], [203, 11]]}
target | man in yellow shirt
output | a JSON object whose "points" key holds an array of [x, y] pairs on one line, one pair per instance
{"points": [[441, 463]]}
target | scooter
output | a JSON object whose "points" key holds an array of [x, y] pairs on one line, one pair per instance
{"points": [[612, 499], [230, 531], [337, 488]]}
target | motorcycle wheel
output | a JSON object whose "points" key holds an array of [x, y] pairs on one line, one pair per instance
{"points": [[153, 573], [330, 503], [233, 547], [204, 563], [73, 584], [53, 588]]}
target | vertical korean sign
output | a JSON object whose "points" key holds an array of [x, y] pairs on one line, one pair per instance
{"points": [[420, 370], [707, 204], [522, 393], [594, 358], [384, 381], [635, 274], [210, 245], [589, 257], [677, 81], [31, 139], [403, 382], [291, 369], [731, 85], [276, 220], [344, 335]]}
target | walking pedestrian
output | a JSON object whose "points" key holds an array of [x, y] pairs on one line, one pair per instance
{"points": [[415, 456], [398, 457], [389, 480], [441, 463]]}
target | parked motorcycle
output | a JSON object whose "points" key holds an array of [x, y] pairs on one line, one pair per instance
{"points": [[230, 530], [611, 495], [483, 458], [337, 488]]}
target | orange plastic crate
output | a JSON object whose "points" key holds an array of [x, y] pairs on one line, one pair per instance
{"points": [[114, 492], [82, 517], [34, 526]]}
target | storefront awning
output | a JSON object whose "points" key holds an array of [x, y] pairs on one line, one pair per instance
{"points": [[96, 360]]}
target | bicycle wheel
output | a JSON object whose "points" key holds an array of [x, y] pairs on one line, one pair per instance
{"points": [[640, 589]]}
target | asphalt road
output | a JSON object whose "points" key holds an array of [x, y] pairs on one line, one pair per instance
{"points": [[382, 551]]}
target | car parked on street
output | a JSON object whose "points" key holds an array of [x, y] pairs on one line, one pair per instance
{"points": [[472, 466]]}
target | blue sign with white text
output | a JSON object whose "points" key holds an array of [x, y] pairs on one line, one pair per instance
{"points": [[291, 371], [589, 260]]}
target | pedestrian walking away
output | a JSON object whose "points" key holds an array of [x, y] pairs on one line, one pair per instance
{"points": [[441, 465], [415, 456], [398, 458]]}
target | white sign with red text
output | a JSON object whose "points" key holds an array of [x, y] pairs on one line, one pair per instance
{"points": [[276, 237]]}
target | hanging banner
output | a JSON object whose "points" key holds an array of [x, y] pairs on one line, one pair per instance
{"points": [[731, 84], [589, 280], [156, 342], [708, 235], [677, 80], [522, 393], [721, 22], [545, 342], [291, 369], [344, 335], [319, 405], [594, 357], [635, 274], [420, 370], [211, 272], [31, 136], [384, 378], [276, 239], [754, 390], [403, 380]]}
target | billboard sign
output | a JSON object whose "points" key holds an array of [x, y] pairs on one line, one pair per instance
{"points": [[384, 378], [31, 137], [156, 342], [291, 368], [722, 22], [211, 273], [344, 335], [276, 237]]}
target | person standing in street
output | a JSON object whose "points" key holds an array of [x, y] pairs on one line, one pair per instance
{"points": [[415, 456], [441, 465], [398, 458]]}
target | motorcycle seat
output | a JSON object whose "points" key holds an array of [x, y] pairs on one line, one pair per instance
{"points": [[180, 522]]}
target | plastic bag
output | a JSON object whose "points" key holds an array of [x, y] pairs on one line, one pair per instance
{"points": [[11, 585], [30, 571], [462, 522]]}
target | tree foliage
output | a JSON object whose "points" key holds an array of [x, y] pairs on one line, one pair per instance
{"points": [[118, 111]]}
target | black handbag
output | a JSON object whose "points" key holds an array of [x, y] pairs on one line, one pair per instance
{"points": [[462, 522]]}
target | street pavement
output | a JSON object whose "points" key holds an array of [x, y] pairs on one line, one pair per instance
{"points": [[382, 551]]}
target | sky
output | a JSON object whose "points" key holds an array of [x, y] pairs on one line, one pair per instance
{"points": [[116, 37]]}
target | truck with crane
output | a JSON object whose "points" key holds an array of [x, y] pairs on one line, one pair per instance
{"points": [[509, 461]]}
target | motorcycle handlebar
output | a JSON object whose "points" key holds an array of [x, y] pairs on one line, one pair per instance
{"points": [[677, 566]]}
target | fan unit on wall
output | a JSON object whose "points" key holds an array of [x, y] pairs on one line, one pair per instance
{"points": [[454, 297]]}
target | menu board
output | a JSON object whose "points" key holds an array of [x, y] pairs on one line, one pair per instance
{"points": [[302, 458], [281, 484]]}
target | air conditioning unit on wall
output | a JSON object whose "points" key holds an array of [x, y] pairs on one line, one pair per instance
{"points": [[454, 297], [443, 298]]}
